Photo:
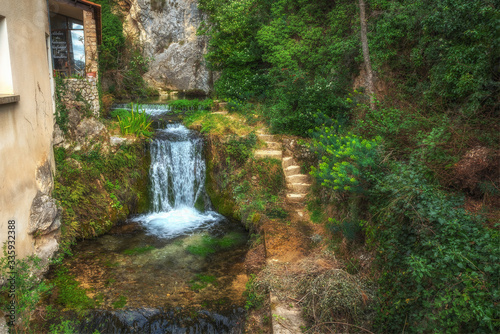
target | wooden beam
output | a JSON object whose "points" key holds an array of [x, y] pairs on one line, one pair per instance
{"points": [[76, 4]]}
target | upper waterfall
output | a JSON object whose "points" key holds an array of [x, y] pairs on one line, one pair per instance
{"points": [[177, 169]]}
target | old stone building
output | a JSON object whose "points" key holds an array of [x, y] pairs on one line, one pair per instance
{"points": [[37, 39]]}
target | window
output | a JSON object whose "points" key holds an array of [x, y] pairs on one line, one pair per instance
{"points": [[68, 49], [6, 87]]}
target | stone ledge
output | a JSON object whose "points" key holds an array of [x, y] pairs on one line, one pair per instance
{"points": [[9, 98]]}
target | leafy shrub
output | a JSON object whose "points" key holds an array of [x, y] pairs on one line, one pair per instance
{"points": [[240, 148], [347, 162], [441, 265], [28, 289], [137, 123], [444, 48], [253, 293], [297, 101]]}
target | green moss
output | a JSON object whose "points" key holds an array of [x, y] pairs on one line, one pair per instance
{"points": [[96, 190], [202, 281], [210, 245], [120, 302], [69, 292]]}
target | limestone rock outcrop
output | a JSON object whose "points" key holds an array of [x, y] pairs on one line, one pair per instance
{"points": [[167, 31], [45, 217]]}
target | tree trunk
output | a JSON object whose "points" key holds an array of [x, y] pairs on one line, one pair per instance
{"points": [[366, 55]]}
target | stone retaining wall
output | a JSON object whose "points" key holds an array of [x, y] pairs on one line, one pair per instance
{"points": [[87, 88]]}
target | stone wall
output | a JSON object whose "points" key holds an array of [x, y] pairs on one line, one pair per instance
{"points": [[83, 89], [89, 27]]}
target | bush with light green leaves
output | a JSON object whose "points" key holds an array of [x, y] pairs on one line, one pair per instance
{"points": [[347, 161]]}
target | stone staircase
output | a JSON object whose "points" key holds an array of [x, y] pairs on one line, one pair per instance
{"points": [[298, 184], [273, 148]]}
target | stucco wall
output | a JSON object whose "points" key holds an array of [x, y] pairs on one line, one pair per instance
{"points": [[26, 157]]}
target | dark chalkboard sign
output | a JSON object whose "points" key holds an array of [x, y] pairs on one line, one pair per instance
{"points": [[59, 45]]}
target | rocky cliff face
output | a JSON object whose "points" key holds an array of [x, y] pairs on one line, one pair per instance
{"points": [[167, 31]]}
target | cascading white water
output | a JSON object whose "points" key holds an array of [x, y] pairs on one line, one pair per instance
{"points": [[177, 176], [177, 170]]}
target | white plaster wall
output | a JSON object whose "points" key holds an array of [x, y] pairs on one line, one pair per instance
{"points": [[26, 126]]}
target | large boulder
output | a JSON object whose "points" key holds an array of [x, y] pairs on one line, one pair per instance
{"points": [[167, 31]]}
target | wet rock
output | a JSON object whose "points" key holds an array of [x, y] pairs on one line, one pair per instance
{"points": [[45, 216]]}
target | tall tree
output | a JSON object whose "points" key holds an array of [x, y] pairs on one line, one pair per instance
{"points": [[366, 55]]}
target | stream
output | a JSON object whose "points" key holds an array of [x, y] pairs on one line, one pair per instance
{"points": [[175, 269]]}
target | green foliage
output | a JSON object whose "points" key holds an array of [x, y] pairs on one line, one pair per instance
{"points": [[349, 228], [347, 162], [254, 296], [439, 262], [64, 327], [295, 54], [23, 287], [445, 49], [121, 61], [190, 106], [138, 250], [61, 110], [120, 112], [113, 40], [442, 265], [137, 123], [297, 101], [241, 148]]}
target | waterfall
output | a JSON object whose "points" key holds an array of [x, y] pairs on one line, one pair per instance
{"points": [[177, 169], [177, 175]]}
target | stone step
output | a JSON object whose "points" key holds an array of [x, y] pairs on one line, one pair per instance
{"points": [[268, 154], [298, 178], [285, 318], [300, 188], [220, 112], [295, 198], [222, 105], [266, 137], [273, 145], [287, 162], [292, 170]]}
